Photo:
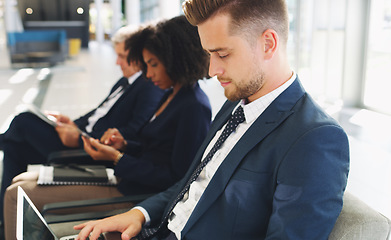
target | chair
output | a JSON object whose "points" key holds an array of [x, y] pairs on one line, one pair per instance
{"points": [[37, 46], [359, 221]]}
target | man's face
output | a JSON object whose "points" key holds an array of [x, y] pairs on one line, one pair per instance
{"points": [[236, 63], [127, 69]]}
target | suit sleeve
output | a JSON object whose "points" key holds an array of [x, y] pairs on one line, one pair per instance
{"points": [[310, 184]]}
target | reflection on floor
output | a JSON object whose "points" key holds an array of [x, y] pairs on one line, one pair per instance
{"points": [[83, 81]]}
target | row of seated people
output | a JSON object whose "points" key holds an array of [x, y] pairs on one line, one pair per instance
{"points": [[273, 165], [164, 120]]}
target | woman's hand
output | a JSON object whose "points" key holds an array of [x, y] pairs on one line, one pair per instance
{"points": [[99, 151], [114, 138], [128, 223]]}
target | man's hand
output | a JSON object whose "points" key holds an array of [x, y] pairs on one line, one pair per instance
{"points": [[61, 118], [129, 224], [99, 151], [114, 138], [68, 134]]}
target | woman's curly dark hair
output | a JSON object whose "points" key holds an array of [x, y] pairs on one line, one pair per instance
{"points": [[176, 44]]}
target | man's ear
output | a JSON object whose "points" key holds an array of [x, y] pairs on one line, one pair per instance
{"points": [[270, 43]]}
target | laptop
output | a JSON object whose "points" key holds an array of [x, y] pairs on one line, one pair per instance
{"points": [[30, 224]]}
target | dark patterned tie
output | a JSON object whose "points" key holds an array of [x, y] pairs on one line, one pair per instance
{"points": [[234, 121]]}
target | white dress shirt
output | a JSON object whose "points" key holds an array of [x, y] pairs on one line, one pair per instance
{"points": [[106, 106]]}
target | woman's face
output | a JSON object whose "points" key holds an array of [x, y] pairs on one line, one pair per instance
{"points": [[156, 71]]}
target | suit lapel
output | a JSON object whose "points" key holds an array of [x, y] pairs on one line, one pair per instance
{"points": [[270, 119]]}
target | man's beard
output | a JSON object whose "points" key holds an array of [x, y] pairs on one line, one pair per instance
{"points": [[243, 89]]}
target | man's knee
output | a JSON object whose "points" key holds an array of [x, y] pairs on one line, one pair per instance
{"points": [[23, 118]]}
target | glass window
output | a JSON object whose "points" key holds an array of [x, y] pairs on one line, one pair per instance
{"points": [[315, 48], [378, 65]]}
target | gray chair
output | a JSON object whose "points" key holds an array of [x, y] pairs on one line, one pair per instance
{"points": [[359, 221]]}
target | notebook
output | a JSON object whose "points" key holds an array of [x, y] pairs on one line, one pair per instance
{"points": [[76, 175], [30, 224], [80, 173]]}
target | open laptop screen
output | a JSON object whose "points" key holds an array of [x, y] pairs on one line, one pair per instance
{"points": [[30, 223]]}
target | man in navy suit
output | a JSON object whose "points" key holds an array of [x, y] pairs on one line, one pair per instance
{"points": [[281, 174], [130, 104]]}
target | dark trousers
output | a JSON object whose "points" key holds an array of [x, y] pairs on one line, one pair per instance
{"points": [[28, 140]]}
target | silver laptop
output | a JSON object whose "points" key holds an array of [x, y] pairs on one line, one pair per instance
{"points": [[30, 223]]}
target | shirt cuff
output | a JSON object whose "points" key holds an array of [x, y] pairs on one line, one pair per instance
{"points": [[146, 215]]}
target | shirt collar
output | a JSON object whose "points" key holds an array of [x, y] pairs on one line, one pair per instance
{"points": [[254, 109], [133, 78]]}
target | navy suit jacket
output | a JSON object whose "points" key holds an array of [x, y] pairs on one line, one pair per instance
{"points": [[168, 144], [284, 179], [130, 112]]}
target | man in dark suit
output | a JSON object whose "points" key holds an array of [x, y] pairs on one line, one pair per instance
{"points": [[277, 170], [130, 104]]}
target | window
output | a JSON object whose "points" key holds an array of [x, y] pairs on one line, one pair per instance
{"points": [[378, 62], [315, 47]]}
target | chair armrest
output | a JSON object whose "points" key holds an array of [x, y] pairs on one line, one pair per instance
{"points": [[75, 155], [93, 202], [357, 220], [54, 218]]}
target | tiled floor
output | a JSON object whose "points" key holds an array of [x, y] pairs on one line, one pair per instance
{"points": [[82, 82]]}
